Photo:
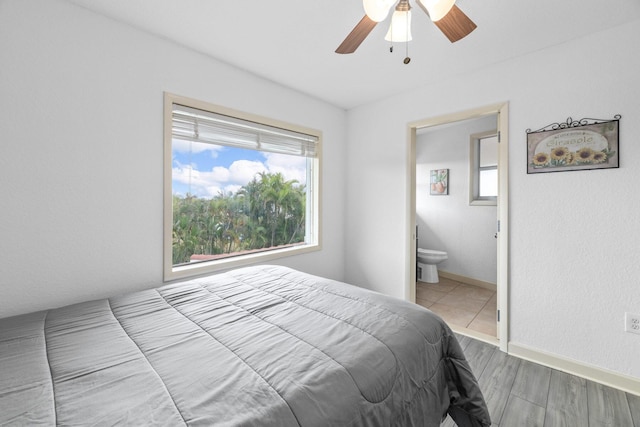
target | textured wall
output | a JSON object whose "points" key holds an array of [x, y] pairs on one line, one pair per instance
{"points": [[81, 169], [573, 235]]}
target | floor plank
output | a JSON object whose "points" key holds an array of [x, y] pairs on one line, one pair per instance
{"points": [[532, 383], [478, 355], [634, 406], [520, 412], [607, 406], [496, 382], [567, 405], [448, 422], [463, 340]]}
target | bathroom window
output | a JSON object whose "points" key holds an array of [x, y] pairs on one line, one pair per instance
{"points": [[483, 189]]}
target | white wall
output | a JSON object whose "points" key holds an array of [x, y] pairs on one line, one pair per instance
{"points": [[449, 223], [574, 236], [81, 167]]}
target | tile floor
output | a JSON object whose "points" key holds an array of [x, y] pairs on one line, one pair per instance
{"points": [[460, 305]]}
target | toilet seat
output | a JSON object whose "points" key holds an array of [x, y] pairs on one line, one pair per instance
{"points": [[431, 252], [432, 255]]}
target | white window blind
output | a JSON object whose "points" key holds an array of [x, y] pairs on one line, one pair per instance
{"points": [[192, 124]]}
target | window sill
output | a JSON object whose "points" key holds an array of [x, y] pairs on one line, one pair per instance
{"points": [[483, 203], [205, 267]]}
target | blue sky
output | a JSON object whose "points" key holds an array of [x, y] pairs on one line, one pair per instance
{"points": [[205, 170]]}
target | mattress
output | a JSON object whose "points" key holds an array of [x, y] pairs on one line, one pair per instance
{"points": [[257, 346]]}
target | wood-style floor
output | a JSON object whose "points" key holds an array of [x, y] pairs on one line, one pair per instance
{"points": [[521, 393]]}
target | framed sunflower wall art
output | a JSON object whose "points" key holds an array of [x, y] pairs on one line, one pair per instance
{"points": [[574, 145]]}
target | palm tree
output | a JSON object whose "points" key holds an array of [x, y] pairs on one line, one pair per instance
{"points": [[268, 211]]}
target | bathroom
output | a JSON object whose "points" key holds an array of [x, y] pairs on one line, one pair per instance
{"points": [[457, 217]]}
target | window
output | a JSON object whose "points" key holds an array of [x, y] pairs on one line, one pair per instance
{"points": [[238, 188], [484, 169]]}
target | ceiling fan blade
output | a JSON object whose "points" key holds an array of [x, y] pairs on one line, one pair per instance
{"points": [[357, 35], [455, 24]]}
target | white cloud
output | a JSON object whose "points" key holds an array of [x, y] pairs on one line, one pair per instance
{"points": [[291, 167], [243, 171], [220, 174], [210, 183], [199, 183]]}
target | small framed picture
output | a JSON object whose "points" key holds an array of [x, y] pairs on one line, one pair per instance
{"points": [[439, 182]]}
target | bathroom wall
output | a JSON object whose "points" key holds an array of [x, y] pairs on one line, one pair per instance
{"points": [[447, 222]]}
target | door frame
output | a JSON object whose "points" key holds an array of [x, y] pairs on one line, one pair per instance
{"points": [[502, 220]]}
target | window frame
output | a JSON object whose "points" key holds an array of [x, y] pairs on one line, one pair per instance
{"points": [[314, 211], [474, 169]]}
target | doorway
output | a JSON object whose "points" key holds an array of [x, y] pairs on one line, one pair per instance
{"points": [[500, 111]]}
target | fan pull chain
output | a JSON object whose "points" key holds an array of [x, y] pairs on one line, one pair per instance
{"points": [[391, 41], [407, 59]]}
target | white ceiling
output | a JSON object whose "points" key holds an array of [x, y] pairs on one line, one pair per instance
{"points": [[292, 42]]}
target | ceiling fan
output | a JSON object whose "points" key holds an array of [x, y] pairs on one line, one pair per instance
{"points": [[444, 13]]}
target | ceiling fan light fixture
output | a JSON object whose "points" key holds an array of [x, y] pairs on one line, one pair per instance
{"points": [[438, 9], [377, 10], [400, 28], [448, 17]]}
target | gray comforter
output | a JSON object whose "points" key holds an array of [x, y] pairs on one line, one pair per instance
{"points": [[259, 346]]}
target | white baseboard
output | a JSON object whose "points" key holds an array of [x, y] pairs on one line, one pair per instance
{"points": [[468, 280], [609, 378]]}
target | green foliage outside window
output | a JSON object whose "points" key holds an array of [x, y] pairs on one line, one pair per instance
{"points": [[267, 212]]}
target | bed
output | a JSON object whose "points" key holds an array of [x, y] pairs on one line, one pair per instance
{"points": [[257, 346]]}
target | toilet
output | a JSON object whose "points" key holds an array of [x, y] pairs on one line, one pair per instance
{"points": [[427, 260]]}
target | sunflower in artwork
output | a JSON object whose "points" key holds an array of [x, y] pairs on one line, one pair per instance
{"points": [[541, 159], [585, 155], [599, 157], [559, 153]]}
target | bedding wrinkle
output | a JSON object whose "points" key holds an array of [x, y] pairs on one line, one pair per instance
{"points": [[25, 378], [383, 305], [98, 371], [359, 374], [176, 300], [275, 284], [147, 360], [53, 385]]}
